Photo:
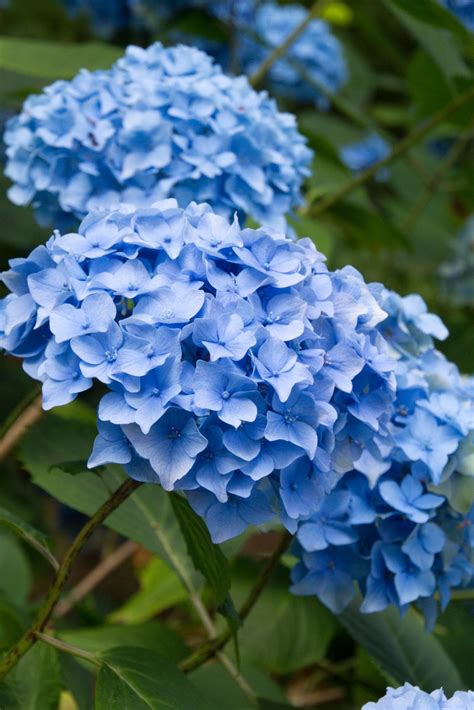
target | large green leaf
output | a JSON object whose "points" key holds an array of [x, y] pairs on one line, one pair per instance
{"points": [[216, 684], [207, 557], [402, 648], [160, 588], [283, 632], [454, 630], [146, 517], [34, 684], [431, 12], [139, 679], [152, 636], [53, 60], [30, 535]]}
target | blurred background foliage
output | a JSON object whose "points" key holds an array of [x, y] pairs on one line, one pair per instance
{"points": [[406, 62]]}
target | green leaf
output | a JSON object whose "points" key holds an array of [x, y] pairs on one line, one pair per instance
{"points": [[54, 60], [160, 589], [282, 632], [207, 557], [428, 86], [34, 684], [13, 623], [137, 678], [434, 37], [454, 630], [152, 636], [15, 577], [146, 517], [216, 684], [402, 648], [30, 535], [432, 13]]}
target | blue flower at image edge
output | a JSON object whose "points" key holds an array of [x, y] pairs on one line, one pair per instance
{"points": [[236, 367], [398, 529], [409, 697], [463, 9], [162, 122]]}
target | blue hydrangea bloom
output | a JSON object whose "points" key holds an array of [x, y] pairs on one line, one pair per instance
{"points": [[313, 66], [365, 153], [463, 9], [237, 368], [407, 524], [409, 697], [163, 122]]}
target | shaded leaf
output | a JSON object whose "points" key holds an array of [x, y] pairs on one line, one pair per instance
{"points": [[30, 535], [151, 636], [207, 557], [402, 648], [137, 678], [34, 684], [15, 577], [146, 517]]}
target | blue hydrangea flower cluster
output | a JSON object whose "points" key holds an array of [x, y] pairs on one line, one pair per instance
{"points": [[365, 153], [457, 274], [238, 368], [409, 697], [407, 532], [313, 66], [464, 11], [161, 123]]}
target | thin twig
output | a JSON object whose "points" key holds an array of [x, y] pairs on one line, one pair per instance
{"points": [[30, 637], [206, 651], [260, 73], [399, 149], [26, 418], [68, 648], [95, 577], [431, 188]]}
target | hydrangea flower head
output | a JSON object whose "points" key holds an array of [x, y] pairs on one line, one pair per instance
{"points": [[410, 697], [314, 64], [365, 153], [404, 524], [163, 122], [237, 368]]}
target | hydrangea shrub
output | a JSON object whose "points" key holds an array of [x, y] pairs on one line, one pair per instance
{"points": [[406, 534], [163, 122], [236, 367]]}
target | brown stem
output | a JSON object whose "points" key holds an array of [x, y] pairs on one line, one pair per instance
{"points": [[28, 416]]}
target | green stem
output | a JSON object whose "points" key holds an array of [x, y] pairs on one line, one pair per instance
{"points": [[207, 650], [402, 147], [462, 594], [260, 73], [31, 635], [68, 648]]}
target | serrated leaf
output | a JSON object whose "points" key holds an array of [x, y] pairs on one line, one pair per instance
{"points": [[402, 648], [152, 636], [207, 557], [139, 679], [30, 535], [54, 60], [160, 588], [34, 684]]}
